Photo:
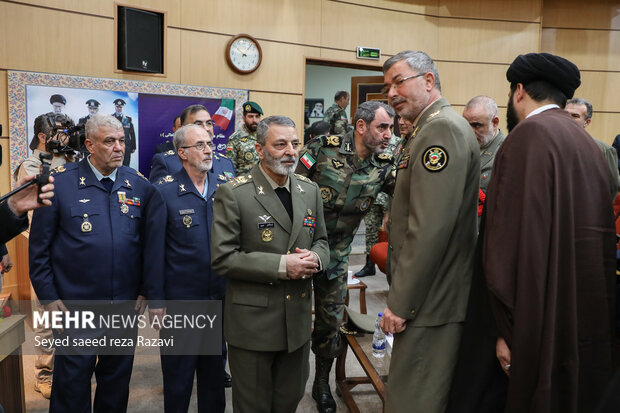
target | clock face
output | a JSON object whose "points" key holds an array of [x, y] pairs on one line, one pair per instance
{"points": [[244, 54]]}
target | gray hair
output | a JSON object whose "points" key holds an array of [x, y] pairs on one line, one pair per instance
{"points": [[488, 103], [417, 61], [367, 110], [180, 136], [95, 121], [263, 127], [582, 101]]}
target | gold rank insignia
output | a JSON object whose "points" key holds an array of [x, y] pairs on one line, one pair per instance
{"points": [[347, 146], [141, 176], [326, 194], [170, 152], [384, 156], [337, 164], [432, 115], [167, 178], [127, 183], [309, 212], [242, 179], [300, 189], [60, 169], [124, 208], [248, 156], [333, 140], [82, 180], [221, 177], [260, 190], [267, 235], [187, 221], [435, 158], [248, 108], [182, 187]]}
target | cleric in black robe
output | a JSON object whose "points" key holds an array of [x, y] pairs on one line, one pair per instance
{"points": [[549, 247], [548, 256]]}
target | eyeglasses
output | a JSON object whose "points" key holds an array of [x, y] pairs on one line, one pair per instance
{"points": [[205, 123], [386, 89], [201, 146]]}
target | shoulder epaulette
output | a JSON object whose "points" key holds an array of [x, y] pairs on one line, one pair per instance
{"points": [[142, 176], [386, 157], [240, 180], [303, 178], [59, 169]]}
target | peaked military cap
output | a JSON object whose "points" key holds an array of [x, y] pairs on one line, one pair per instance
{"points": [[92, 102], [119, 102]]}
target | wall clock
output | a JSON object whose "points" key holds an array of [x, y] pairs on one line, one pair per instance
{"points": [[243, 54]]}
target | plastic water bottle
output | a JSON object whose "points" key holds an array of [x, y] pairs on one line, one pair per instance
{"points": [[378, 339]]}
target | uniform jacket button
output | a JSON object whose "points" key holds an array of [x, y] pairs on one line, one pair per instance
{"points": [[288, 297], [303, 295], [412, 312]]}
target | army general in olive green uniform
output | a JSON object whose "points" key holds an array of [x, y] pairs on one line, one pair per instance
{"points": [[432, 237], [268, 240], [240, 148], [351, 171], [336, 114]]}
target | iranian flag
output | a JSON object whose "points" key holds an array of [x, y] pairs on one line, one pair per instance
{"points": [[222, 117]]}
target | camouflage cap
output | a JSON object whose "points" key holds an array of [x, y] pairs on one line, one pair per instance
{"points": [[252, 107]]}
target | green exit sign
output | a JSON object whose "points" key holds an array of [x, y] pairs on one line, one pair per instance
{"points": [[368, 53]]}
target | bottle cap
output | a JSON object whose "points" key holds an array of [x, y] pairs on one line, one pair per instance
{"points": [[380, 315]]}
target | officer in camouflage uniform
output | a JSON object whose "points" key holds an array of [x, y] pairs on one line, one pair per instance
{"points": [[240, 149], [374, 218], [351, 171], [336, 114]]}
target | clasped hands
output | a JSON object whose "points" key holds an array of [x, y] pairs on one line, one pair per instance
{"points": [[301, 264]]}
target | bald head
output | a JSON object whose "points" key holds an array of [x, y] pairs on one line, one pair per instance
{"points": [[481, 114]]}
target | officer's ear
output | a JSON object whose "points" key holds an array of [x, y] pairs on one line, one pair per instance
{"points": [[259, 150], [360, 126], [89, 144], [181, 153]]}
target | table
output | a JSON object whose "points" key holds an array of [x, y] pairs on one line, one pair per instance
{"points": [[362, 287], [12, 336], [376, 370]]}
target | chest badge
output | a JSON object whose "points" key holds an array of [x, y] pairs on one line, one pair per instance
{"points": [[326, 194], [86, 225], [248, 156], [365, 205], [435, 158], [187, 221], [337, 164], [267, 235], [124, 208]]}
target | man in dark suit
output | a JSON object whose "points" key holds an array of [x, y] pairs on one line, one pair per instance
{"points": [[188, 275], [13, 218], [98, 241], [130, 134], [269, 239], [167, 163]]}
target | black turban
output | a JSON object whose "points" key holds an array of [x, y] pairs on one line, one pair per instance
{"points": [[552, 69]]}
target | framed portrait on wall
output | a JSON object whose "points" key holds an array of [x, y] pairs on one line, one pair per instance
{"points": [[145, 109], [314, 109]]}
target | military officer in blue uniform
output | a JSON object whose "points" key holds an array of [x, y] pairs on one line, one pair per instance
{"points": [[188, 195], [167, 163], [97, 242], [130, 133]]}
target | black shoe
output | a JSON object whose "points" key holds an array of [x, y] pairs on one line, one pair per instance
{"points": [[368, 269], [321, 393], [227, 380]]}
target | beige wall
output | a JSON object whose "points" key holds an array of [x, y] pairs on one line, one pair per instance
{"points": [[472, 41]]}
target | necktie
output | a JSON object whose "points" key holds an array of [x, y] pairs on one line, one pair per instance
{"points": [[107, 184], [285, 198]]}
